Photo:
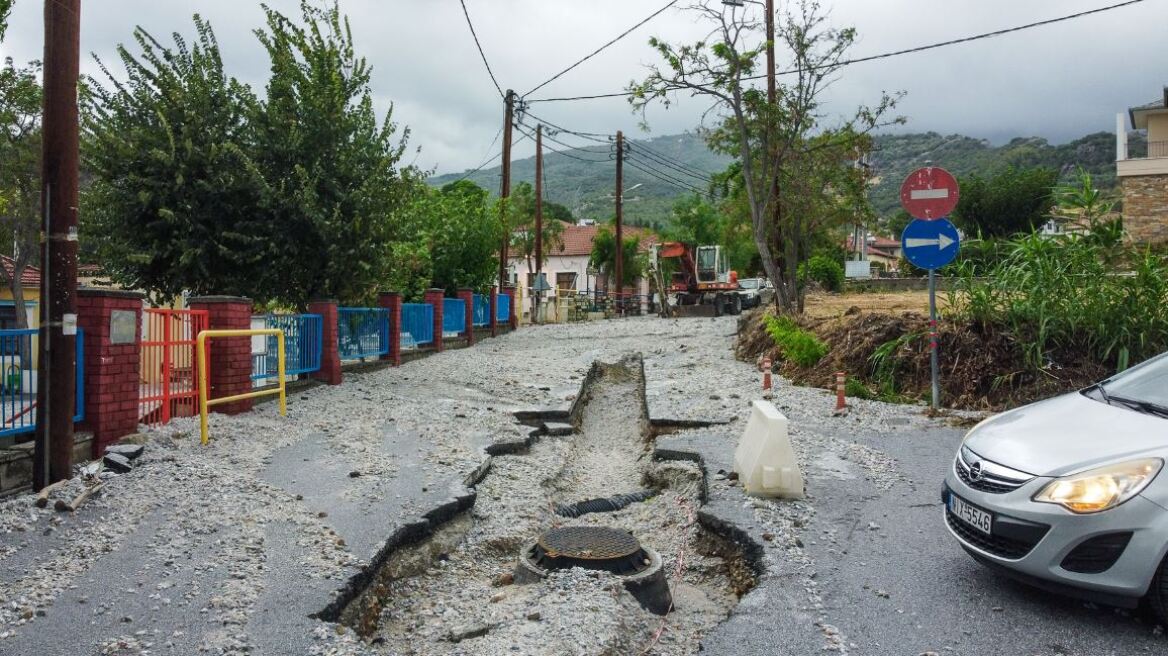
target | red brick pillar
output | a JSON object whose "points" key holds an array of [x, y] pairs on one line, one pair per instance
{"points": [[230, 356], [392, 301], [112, 321], [434, 297], [510, 291], [330, 355], [494, 310], [467, 297]]}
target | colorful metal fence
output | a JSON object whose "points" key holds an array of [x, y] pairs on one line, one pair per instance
{"points": [[482, 311], [417, 327], [362, 332], [303, 344], [169, 386], [453, 317], [18, 384], [503, 310]]}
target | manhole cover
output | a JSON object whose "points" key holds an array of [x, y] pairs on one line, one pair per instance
{"points": [[598, 548], [590, 547], [589, 542]]}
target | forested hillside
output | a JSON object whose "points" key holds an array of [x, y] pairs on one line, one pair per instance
{"points": [[583, 180]]}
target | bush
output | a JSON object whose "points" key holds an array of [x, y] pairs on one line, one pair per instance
{"points": [[797, 345], [1072, 296], [823, 270]]}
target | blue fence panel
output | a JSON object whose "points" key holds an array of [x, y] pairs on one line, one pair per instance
{"points": [[503, 311], [18, 380], [362, 332], [482, 310], [453, 317], [417, 325], [303, 344]]}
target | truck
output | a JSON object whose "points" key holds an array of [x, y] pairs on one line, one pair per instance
{"points": [[702, 277]]}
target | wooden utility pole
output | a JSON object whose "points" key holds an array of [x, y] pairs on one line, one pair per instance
{"points": [[620, 183], [56, 379], [537, 295], [505, 192]]}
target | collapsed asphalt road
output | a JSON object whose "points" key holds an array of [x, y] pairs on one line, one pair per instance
{"points": [[229, 549]]}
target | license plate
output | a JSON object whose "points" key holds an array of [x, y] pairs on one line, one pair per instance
{"points": [[975, 517]]}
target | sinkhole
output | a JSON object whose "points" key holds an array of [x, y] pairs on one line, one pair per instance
{"points": [[577, 543]]}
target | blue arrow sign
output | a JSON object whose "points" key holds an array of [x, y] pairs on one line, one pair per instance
{"points": [[930, 244]]}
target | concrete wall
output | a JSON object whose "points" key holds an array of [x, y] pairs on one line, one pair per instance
{"points": [[1145, 208]]}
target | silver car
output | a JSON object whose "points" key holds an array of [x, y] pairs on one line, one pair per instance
{"points": [[1066, 494]]}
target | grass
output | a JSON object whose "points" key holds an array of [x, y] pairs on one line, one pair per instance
{"points": [[795, 344], [1072, 296]]}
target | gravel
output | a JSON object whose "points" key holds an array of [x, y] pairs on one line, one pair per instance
{"points": [[197, 516]]}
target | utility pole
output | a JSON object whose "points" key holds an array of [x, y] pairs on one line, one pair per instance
{"points": [[56, 380], [505, 192], [620, 184], [537, 295]]}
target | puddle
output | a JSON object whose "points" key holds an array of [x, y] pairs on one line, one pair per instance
{"points": [[453, 590]]}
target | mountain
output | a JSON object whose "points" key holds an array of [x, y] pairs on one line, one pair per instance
{"points": [[586, 187]]}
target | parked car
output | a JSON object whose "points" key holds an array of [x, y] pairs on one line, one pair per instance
{"points": [[750, 289], [1067, 494]]}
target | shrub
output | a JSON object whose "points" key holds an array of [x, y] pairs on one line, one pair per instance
{"points": [[1070, 295], [823, 270], [797, 345]]}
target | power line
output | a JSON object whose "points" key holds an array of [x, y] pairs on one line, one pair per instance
{"points": [[602, 48], [492, 158], [581, 149], [480, 47], [520, 126], [646, 168], [591, 136], [663, 161], [897, 53]]}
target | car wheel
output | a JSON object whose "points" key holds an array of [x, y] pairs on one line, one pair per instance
{"points": [[737, 305], [1158, 593]]}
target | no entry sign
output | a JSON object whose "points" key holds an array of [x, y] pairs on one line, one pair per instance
{"points": [[930, 193]]}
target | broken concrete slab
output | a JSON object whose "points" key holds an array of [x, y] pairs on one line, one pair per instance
{"points": [[117, 463]]}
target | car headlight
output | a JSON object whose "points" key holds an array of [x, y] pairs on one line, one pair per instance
{"points": [[1100, 489]]}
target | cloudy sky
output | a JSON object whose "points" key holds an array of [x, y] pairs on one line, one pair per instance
{"points": [[1058, 82]]}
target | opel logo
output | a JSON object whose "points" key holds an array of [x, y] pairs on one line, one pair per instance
{"points": [[975, 471]]}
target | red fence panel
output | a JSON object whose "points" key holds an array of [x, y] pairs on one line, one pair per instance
{"points": [[168, 374]]}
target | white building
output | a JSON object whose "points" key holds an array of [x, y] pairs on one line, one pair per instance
{"points": [[567, 267]]}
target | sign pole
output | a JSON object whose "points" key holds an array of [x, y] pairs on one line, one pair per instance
{"points": [[933, 338]]}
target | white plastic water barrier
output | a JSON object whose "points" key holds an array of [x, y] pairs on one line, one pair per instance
{"points": [[764, 460]]}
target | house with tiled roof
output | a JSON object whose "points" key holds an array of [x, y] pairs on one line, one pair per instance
{"points": [[1144, 176], [881, 251], [567, 266]]}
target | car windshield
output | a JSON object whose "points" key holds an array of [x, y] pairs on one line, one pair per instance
{"points": [[749, 284], [1143, 388]]}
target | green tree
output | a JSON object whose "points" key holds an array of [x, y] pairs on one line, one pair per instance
{"points": [[176, 201], [777, 143], [20, 158], [522, 220], [5, 12], [604, 257], [332, 165], [1012, 201], [464, 235]]}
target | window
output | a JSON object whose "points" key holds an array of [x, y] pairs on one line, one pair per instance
{"points": [[566, 281]]}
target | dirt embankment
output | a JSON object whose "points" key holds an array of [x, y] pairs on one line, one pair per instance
{"points": [[888, 354]]}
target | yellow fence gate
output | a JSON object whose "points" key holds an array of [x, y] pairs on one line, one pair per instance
{"points": [[204, 374]]}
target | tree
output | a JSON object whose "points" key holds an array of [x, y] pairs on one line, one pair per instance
{"points": [[20, 158], [521, 216], [5, 11], [332, 166], [176, 202], [1011, 201], [464, 235], [1083, 207], [774, 142], [604, 257]]}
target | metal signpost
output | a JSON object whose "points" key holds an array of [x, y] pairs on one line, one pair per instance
{"points": [[931, 241]]}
